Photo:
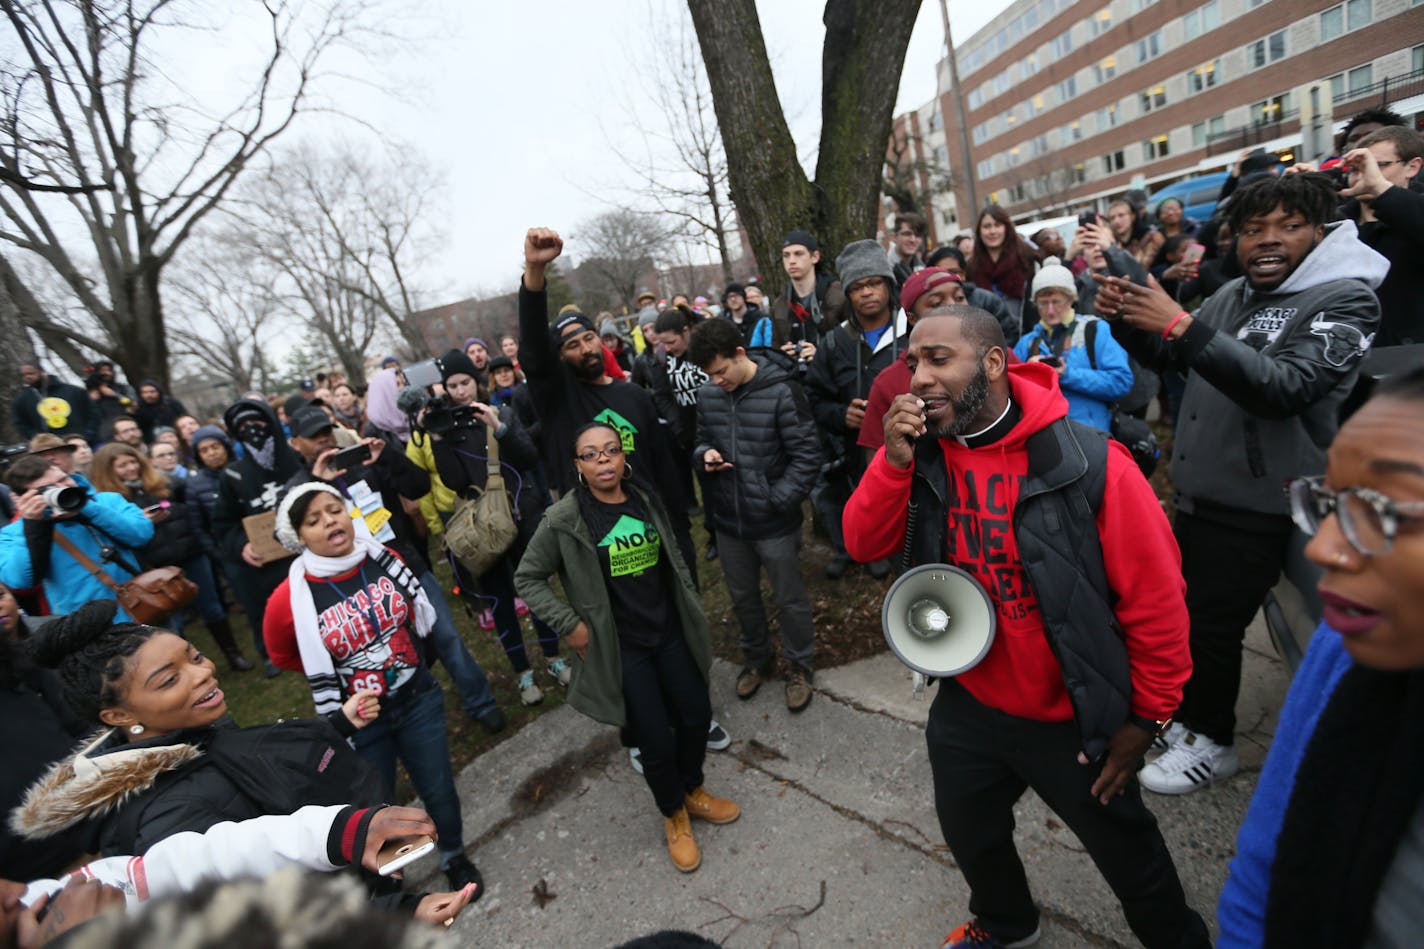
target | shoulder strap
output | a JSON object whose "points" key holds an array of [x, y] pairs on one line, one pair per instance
{"points": [[1090, 337], [85, 561], [491, 454]]}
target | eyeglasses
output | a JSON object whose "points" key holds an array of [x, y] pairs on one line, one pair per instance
{"points": [[1368, 519], [593, 454]]}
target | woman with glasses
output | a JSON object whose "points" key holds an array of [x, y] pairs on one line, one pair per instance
{"points": [[635, 624], [1332, 849]]}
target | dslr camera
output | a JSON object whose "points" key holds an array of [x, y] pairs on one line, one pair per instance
{"points": [[443, 415]]}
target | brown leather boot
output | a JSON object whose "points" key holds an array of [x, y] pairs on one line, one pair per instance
{"points": [[714, 810], [681, 847]]}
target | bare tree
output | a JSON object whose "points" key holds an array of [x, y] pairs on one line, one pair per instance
{"points": [[861, 60], [228, 304], [912, 178], [621, 247], [681, 167], [116, 165]]}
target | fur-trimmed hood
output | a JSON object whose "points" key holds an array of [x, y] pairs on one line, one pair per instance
{"points": [[101, 775]]}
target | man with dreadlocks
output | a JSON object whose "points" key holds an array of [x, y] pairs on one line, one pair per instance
{"points": [[1272, 355]]}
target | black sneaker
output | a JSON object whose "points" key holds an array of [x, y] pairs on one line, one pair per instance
{"points": [[269, 670], [460, 872], [839, 564], [492, 721], [879, 569]]}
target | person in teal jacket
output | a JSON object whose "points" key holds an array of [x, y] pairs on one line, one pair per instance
{"points": [[107, 529], [633, 620], [1093, 369]]}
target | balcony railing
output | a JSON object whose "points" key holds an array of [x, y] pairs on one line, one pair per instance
{"points": [[1382, 93]]}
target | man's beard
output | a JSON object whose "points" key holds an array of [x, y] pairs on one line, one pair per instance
{"points": [[589, 367], [966, 405]]}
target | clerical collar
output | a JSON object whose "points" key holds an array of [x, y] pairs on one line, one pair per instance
{"points": [[1000, 427]]}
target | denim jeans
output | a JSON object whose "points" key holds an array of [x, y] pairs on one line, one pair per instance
{"points": [[412, 727], [470, 680], [208, 603]]}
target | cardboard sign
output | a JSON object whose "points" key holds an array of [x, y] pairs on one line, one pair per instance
{"points": [[261, 534]]}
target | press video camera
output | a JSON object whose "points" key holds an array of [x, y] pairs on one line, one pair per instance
{"points": [[442, 416]]}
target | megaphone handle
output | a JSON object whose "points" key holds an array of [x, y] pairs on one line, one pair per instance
{"points": [[919, 680], [912, 516]]}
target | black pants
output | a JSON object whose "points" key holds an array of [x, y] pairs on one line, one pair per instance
{"points": [[1230, 561], [983, 760], [669, 711]]}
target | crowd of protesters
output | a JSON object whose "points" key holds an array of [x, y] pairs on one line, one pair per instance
{"points": [[980, 403]]}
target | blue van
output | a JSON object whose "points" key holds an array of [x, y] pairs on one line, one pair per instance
{"points": [[1198, 196]]}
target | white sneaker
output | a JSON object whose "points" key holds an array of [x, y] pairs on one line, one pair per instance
{"points": [[635, 758], [529, 693], [717, 737], [1194, 762], [1167, 740]]}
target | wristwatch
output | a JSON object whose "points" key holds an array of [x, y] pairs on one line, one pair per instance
{"points": [[1154, 727]]}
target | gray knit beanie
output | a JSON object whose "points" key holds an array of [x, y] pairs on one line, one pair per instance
{"points": [[862, 259]]}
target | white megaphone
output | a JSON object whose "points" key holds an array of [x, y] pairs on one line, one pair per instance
{"points": [[938, 621]]}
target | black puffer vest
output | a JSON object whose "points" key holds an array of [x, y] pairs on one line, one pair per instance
{"points": [[1057, 533]]}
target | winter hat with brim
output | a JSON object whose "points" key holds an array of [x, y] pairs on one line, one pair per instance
{"points": [[863, 259], [292, 509], [922, 282], [1054, 276]]}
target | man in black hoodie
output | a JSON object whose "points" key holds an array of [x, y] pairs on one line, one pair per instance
{"points": [[253, 484], [45, 401], [155, 408], [756, 442], [563, 367]]}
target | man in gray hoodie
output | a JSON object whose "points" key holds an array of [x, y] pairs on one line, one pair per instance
{"points": [[1272, 355]]}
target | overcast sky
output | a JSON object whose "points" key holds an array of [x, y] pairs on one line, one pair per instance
{"points": [[516, 103]]}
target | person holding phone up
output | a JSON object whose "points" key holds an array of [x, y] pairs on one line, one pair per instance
{"points": [[350, 616]]}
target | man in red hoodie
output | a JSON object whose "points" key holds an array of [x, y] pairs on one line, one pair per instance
{"points": [[1090, 655]]}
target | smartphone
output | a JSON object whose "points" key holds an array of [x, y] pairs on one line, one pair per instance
{"points": [[422, 375], [402, 851], [1051, 361], [1088, 218], [349, 457], [1193, 254]]}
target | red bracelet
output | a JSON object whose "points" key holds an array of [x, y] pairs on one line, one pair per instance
{"points": [[1167, 333]]}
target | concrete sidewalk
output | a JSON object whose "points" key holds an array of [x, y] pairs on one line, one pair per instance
{"points": [[838, 844]]}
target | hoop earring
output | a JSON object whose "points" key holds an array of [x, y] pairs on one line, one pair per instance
{"points": [[135, 729], [627, 469], [579, 475]]}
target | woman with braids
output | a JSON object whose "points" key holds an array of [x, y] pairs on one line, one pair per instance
{"points": [[124, 470], [1003, 262], [351, 616], [634, 621], [1332, 849]]}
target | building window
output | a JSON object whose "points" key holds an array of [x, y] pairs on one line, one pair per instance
{"points": [[1100, 22], [1063, 43], [980, 133], [1105, 70], [1013, 156], [1204, 19], [1216, 126], [1149, 47], [1068, 88], [1155, 148], [1337, 87], [1203, 132], [1271, 110], [942, 155], [1073, 132], [1417, 56], [1204, 76], [1350, 15], [1139, 5], [1265, 51], [1198, 135], [934, 122], [1080, 173], [1107, 117], [1153, 98], [1030, 64], [976, 98], [1113, 162], [1360, 78]]}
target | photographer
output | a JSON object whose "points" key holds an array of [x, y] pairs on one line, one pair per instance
{"points": [[456, 426], [93, 522]]}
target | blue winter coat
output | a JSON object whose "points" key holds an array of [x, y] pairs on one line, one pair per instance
{"points": [[67, 584], [1090, 392]]}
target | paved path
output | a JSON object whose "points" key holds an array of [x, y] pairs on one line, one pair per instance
{"points": [[837, 845]]}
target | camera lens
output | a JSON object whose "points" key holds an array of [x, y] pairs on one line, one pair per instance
{"points": [[66, 498]]}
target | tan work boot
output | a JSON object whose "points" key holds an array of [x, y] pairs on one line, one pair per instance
{"points": [[714, 810], [681, 847], [798, 689], [749, 680]]}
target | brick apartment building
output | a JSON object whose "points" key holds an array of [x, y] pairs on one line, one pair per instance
{"points": [[1071, 101]]}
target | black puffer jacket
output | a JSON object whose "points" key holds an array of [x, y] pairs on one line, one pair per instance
{"points": [[766, 431], [844, 369]]}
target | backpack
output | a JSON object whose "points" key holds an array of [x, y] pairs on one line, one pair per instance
{"points": [[1131, 431], [482, 528]]}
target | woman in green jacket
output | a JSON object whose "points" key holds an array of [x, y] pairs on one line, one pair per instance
{"points": [[636, 626]]}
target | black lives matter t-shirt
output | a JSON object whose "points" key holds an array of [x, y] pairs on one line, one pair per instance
{"points": [[636, 572]]}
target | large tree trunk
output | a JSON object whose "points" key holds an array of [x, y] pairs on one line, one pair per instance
{"points": [[769, 188], [862, 59]]}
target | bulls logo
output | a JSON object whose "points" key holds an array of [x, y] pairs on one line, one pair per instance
{"points": [[1343, 342]]}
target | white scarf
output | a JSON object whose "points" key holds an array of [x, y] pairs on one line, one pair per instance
{"points": [[316, 661]]}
